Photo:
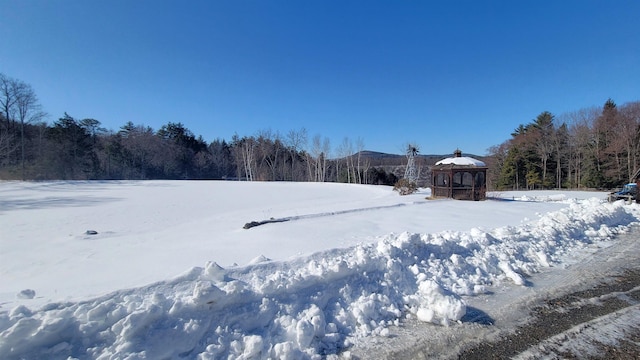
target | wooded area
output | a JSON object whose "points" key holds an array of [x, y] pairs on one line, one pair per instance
{"points": [[72, 149], [592, 148]]}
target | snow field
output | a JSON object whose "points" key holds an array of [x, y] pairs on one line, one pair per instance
{"points": [[310, 306]]}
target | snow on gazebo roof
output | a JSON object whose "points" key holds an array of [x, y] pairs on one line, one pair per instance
{"points": [[461, 161]]}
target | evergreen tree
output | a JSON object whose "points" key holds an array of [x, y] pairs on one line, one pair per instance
{"points": [[71, 155]]}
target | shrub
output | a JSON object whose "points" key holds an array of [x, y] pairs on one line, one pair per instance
{"points": [[405, 187]]}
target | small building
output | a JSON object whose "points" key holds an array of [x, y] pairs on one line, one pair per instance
{"points": [[459, 177]]}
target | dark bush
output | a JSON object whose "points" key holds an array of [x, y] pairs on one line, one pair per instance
{"points": [[405, 187]]}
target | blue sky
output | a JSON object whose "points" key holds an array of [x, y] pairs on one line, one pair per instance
{"points": [[442, 74]]}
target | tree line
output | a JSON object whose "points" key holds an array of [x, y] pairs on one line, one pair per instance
{"points": [[594, 147], [72, 149]]}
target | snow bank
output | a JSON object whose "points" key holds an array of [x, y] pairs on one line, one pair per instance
{"points": [[312, 306]]}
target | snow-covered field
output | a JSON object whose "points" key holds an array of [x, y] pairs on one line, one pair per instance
{"points": [[172, 273]]}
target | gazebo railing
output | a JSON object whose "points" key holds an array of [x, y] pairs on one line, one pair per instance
{"points": [[459, 192]]}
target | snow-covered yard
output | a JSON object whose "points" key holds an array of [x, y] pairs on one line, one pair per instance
{"points": [[172, 273]]}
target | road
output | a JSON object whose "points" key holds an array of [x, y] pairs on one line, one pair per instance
{"points": [[588, 308], [576, 326]]}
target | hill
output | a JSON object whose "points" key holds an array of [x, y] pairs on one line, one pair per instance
{"points": [[376, 158], [396, 164]]}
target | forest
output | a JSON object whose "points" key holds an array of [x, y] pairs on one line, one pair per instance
{"points": [[81, 149], [595, 147]]}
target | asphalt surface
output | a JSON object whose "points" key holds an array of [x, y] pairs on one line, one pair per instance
{"points": [[559, 315]]}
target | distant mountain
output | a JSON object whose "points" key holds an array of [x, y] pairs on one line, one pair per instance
{"points": [[397, 164], [376, 158]]}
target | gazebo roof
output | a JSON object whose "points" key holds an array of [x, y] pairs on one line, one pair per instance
{"points": [[461, 161]]}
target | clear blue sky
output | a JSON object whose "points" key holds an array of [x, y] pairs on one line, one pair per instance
{"points": [[442, 74]]}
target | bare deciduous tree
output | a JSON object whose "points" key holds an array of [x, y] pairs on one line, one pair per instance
{"points": [[318, 158], [28, 111], [19, 104], [296, 141], [8, 99], [360, 149], [628, 135], [269, 149], [345, 152]]}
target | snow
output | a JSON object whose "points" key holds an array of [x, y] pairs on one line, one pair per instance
{"points": [[171, 272], [462, 161], [585, 338]]}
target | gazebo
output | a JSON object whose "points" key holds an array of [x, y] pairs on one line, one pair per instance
{"points": [[459, 177]]}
